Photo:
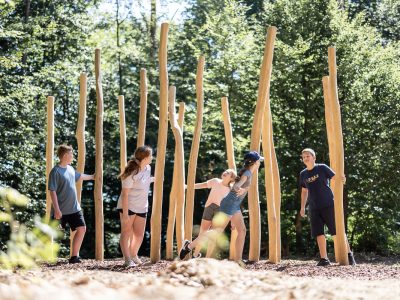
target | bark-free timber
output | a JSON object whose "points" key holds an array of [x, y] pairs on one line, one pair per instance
{"points": [[155, 243], [143, 108], [122, 133], [49, 150]]}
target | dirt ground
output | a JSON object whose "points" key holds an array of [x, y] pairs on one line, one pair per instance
{"points": [[205, 279]]}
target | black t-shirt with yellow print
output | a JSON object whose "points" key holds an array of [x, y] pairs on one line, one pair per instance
{"points": [[317, 182]]}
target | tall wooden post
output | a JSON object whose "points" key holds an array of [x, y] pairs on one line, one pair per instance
{"points": [[339, 159], [155, 243], [231, 161], [254, 206], [194, 152], [98, 184], [330, 134], [143, 108], [122, 133], [49, 150], [80, 137], [177, 195]]}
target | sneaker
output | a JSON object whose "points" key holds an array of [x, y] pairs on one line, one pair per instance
{"points": [[241, 264], [137, 260], [185, 250], [129, 264], [323, 262], [197, 256], [352, 261], [75, 260]]}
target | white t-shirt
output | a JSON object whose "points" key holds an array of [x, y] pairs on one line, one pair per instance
{"points": [[218, 191], [139, 186]]}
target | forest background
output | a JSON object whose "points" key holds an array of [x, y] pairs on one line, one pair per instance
{"points": [[44, 45]]}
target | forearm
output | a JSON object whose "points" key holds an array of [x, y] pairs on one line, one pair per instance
{"points": [[303, 199], [87, 177], [125, 205], [202, 185]]}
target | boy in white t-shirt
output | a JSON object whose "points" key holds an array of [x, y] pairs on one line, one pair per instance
{"points": [[220, 187]]}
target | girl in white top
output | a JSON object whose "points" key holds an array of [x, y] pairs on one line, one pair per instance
{"points": [[220, 187], [133, 203]]}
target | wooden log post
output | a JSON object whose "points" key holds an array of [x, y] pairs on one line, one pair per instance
{"points": [[143, 108], [98, 184], [122, 133], [339, 160], [49, 150], [177, 195], [231, 161], [330, 134], [194, 152], [253, 200], [155, 243], [80, 137]]}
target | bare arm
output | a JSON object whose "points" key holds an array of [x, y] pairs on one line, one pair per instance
{"points": [[202, 185], [54, 200], [86, 177], [304, 196], [124, 200], [236, 187]]}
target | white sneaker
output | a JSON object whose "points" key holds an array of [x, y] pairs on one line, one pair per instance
{"points": [[129, 264], [137, 260]]}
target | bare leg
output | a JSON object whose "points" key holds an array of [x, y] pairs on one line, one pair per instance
{"points": [[78, 239], [204, 226], [321, 240], [139, 226], [126, 233], [238, 223]]}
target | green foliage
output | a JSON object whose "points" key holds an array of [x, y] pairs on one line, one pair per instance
{"points": [[25, 246]]}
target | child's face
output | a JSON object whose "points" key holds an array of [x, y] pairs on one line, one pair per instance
{"points": [[69, 157], [308, 158], [227, 174], [148, 159]]}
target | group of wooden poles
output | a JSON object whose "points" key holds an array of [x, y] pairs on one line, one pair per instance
{"points": [[180, 218]]}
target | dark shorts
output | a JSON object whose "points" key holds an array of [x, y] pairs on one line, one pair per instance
{"points": [[210, 211], [74, 220], [321, 217], [131, 213]]}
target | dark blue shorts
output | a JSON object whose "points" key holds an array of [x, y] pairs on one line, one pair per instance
{"points": [[74, 220], [321, 217]]}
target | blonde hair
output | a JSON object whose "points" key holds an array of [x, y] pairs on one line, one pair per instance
{"points": [[309, 150]]}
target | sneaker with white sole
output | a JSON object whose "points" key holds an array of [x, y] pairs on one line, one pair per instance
{"points": [[129, 264], [185, 250], [137, 260]]}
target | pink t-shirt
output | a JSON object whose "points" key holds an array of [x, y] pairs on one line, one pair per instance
{"points": [[218, 191]]}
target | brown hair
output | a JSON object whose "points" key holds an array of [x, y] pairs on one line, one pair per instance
{"points": [[242, 170], [63, 149], [133, 165], [232, 173]]}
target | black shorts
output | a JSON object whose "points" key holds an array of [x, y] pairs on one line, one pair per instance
{"points": [[321, 217], [131, 213], [74, 220]]}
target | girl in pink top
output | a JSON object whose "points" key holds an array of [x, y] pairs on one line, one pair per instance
{"points": [[220, 187]]}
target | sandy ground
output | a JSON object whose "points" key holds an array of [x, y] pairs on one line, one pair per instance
{"points": [[203, 279]]}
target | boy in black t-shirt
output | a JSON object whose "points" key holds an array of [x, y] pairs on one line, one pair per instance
{"points": [[314, 181]]}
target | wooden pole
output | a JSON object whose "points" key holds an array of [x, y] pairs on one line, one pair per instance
{"points": [[143, 108], [194, 152], [98, 184], [177, 196], [122, 133], [339, 160], [231, 161], [254, 206], [155, 243], [49, 150], [330, 134], [80, 137]]}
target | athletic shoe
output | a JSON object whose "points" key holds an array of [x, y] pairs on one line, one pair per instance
{"points": [[323, 262], [185, 250], [129, 264], [75, 260], [241, 264], [197, 256], [137, 260], [352, 261]]}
